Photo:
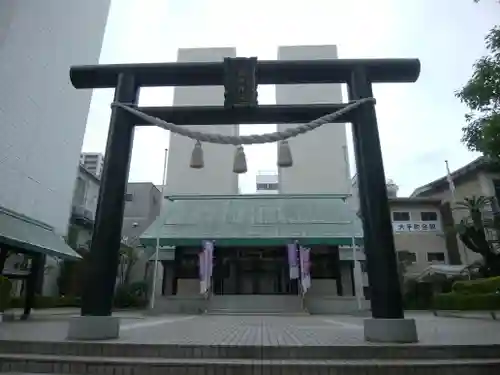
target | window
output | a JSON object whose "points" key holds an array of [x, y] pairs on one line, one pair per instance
{"points": [[400, 216], [269, 186], [435, 257], [429, 216], [129, 197], [406, 256]]}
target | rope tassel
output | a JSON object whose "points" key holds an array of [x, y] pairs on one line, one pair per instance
{"points": [[285, 159], [197, 156], [240, 161]]}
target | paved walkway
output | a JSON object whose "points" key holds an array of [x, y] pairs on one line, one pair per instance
{"points": [[262, 330]]}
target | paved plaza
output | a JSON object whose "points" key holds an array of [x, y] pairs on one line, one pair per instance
{"points": [[260, 330]]}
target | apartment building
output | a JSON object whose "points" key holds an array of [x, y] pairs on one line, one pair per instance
{"points": [[93, 162], [267, 182]]}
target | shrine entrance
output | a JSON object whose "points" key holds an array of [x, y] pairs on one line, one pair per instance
{"points": [[252, 270]]}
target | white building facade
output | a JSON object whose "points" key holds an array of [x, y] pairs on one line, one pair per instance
{"points": [[320, 161], [42, 116], [217, 176]]}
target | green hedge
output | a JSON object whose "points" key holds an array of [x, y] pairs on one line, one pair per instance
{"points": [[131, 295], [480, 286], [458, 301], [45, 302], [122, 301], [5, 290]]}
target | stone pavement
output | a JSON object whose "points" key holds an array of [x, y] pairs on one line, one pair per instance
{"points": [[262, 330]]}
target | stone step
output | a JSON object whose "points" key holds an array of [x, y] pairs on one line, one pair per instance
{"points": [[382, 352], [255, 304], [258, 313], [55, 364]]}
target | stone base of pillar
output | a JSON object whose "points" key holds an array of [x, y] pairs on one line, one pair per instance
{"points": [[390, 330], [7, 317], [94, 328]]}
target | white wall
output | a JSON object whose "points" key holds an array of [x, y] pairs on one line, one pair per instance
{"points": [[217, 177], [319, 157], [42, 117]]}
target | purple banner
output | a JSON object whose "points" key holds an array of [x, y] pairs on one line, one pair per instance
{"points": [[305, 264], [208, 247], [293, 264], [202, 270]]}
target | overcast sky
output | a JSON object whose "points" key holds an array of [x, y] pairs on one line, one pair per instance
{"points": [[420, 124]]}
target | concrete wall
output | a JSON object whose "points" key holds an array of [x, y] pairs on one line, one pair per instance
{"points": [[319, 157], [217, 176], [42, 116], [145, 201]]}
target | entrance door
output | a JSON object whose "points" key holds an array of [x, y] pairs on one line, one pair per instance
{"points": [[260, 275], [251, 271]]}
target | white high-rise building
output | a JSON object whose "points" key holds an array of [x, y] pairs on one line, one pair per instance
{"points": [[320, 160], [42, 116], [92, 162], [267, 182], [217, 176]]}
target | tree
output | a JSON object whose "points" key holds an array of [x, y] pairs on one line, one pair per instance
{"points": [[482, 95], [128, 258], [405, 260], [473, 231]]}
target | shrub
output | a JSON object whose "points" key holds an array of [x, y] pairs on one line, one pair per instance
{"points": [[47, 302], [131, 295], [418, 295], [458, 301], [126, 296], [5, 290], [480, 286]]}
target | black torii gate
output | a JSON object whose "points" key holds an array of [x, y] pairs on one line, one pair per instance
{"points": [[240, 77]]}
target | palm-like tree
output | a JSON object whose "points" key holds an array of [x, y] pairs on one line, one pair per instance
{"points": [[472, 231]]}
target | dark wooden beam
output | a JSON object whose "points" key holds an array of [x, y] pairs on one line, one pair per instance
{"points": [[267, 114], [268, 72], [100, 283]]}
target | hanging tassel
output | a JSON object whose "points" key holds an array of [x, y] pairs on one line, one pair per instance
{"points": [[197, 156], [240, 162], [284, 155]]}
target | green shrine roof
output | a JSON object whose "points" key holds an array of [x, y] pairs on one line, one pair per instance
{"points": [[260, 220], [25, 234]]}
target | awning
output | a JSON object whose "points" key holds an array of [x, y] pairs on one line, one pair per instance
{"points": [[255, 220], [20, 232]]}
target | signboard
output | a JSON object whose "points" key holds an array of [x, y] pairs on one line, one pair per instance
{"points": [[416, 226]]}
